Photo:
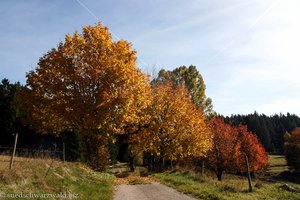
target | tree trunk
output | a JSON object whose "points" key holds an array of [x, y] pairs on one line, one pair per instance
{"points": [[97, 152], [219, 174], [88, 152], [131, 162], [248, 173], [64, 152], [202, 168]]}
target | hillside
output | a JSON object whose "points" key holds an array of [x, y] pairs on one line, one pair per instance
{"points": [[53, 179]]}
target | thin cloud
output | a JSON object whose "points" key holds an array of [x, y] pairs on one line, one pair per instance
{"points": [[193, 21], [239, 38], [114, 35]]}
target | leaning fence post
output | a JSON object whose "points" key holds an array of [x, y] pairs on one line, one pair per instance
{"points": [[14, 151], [248, 173]]}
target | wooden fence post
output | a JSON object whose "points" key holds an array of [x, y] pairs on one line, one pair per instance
{"points": [[248, 173], [64, 152], [14, 151], [202, 168]]}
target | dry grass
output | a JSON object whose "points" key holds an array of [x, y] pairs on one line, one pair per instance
{"points": [[133, 179], [140, 176], [24, 171]]}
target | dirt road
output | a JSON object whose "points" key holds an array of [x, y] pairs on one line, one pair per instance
{"points": [[153, 191]]}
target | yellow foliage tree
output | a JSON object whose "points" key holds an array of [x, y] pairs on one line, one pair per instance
{"points": [[89, 84], [177, 129]]}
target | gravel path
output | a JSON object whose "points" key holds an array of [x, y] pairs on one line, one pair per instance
{"points": [[153, 191]]}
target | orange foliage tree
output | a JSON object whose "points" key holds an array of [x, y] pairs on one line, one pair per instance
{"points": [[89, 84], [230, 145], [176, 129]]}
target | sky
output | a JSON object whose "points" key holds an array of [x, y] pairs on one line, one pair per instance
{"points": [[247, 51]]}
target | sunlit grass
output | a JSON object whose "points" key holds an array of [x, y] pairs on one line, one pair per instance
{"points": [[277, 164], [51, 176], [232, 186]]}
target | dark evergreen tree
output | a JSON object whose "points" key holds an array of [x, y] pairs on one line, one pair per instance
{"points": [[269, 129], [9, 123]]}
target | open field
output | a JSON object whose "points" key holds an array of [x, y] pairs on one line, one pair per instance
{"points": [[47, 176], [277, 164]]}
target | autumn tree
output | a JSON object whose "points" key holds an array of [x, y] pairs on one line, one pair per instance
{"points": [[89, 84], [292, 149], [249, 145], [193, 81], [177, 129], [224, 149], [230, 145]]}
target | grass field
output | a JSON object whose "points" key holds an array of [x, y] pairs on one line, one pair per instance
{"points": [[46, 176], [277, 164], [232, 187]]}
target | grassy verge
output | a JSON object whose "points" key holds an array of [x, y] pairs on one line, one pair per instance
{"points": [[46, 176], [271, 186], [231, 187]]}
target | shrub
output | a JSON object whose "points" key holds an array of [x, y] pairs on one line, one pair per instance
{"points": [[292, 149]]}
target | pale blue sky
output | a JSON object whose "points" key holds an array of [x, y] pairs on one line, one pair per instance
{"points": [[247, 51]]}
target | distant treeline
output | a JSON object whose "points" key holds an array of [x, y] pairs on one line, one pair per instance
{"points": [[269, 129]]}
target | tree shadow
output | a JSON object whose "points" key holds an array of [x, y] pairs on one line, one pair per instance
{"points": [[288, 176]]}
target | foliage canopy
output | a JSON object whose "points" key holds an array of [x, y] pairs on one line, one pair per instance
{"points": [[177, 129], [230, 145], [88, 84], [191, 78]]}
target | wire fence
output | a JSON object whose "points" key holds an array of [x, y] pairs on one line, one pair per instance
{"points": [[32, 153]]}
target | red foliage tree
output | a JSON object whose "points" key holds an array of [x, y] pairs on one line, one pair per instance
{"points": [[230, 145], [249, 145], [222, 155]]}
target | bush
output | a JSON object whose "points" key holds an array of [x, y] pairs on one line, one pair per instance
{"points": [[292, 149]]}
